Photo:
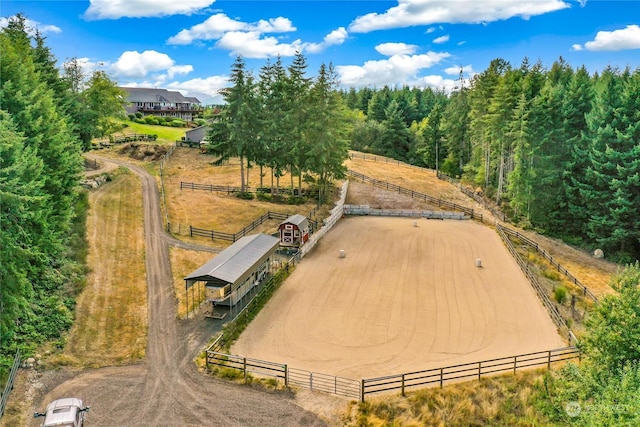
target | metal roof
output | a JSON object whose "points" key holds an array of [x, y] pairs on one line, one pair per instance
{"points": [[237, 261], [297, 219]]}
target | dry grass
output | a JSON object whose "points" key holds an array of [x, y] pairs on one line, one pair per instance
{"points": [[217, 211], [111, 315], [183, 262], [505, 400]]}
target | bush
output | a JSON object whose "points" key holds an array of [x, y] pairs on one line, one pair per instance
{"points": [[295, 200], [560, 294], [177, 123], [245, 195], [132, 117], [139, 114], [263, 197], [151, 120]]}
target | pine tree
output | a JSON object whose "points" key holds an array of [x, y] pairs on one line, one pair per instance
{"points": [[396, 140]]}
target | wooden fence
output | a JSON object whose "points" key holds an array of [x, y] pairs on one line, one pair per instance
{"points": [[289, 377], [409, 213], [542, 294], [475, 370], [548, 257], [413, 194], [232, 189], [232, 237], [4, 398]]}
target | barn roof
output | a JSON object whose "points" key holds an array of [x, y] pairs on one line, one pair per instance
{"points": [[297, 219], [237, 261]]}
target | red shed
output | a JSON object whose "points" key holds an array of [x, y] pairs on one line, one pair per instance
{"points": [[294, 231]]}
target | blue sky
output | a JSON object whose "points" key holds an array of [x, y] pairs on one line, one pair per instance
{"points": [[189, 45]]}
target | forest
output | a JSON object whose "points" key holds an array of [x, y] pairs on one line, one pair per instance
{"points": [[47, 120]]}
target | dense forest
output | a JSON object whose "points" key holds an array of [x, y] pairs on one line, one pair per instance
{"points": [[558, 149], [47, 119]]}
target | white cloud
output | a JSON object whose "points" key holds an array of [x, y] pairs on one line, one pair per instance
{"points": [[436, 82], [576, 47], [32, 26], [216, 26], [133, 64], [624, 39], [115, 9], [409, 13], [398, 69], [455, 71], [251, 45], [441, 39], [335, 37], [209, 86], [390, 49]]}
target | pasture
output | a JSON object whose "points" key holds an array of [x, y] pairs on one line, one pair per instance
{"points": [[403, 298]]}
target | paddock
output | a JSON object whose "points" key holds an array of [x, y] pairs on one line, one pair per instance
{"points": [[381, 296]]}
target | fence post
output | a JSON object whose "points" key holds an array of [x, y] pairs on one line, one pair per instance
{"points": [[479, 370], [191, 230], [515, 364], [311, 380], [244, 367], [362, 390], [441, 377], [286, 376], [402, 386], [549, 361]]}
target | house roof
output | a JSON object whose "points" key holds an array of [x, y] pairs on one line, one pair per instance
{"points": [[140, 94], [296, 219], [237, 261]]}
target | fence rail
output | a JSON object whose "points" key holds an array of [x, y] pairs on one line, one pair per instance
{"points": [[413, 194], [288, 376], [4, 398], [232, 189], [551, 308], [232, 237], [475, 370], [549, 258], [410, 213]]}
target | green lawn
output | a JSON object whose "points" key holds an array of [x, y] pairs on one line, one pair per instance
{"points": [[165, 133]]}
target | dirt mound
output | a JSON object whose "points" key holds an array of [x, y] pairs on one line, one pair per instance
{"points": [[144, 152]]}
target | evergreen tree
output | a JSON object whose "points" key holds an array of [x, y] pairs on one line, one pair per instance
{"points": [[396, 139]]}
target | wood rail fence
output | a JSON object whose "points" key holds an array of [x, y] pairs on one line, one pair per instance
{"points": [[413, 194], [475, 370], [232, 189], [551, 308], [548, 257]]}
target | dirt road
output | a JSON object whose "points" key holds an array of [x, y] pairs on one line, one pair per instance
{"points": [[166, 389]]}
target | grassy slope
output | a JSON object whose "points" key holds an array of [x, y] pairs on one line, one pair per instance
{"points": [[165, 133]]}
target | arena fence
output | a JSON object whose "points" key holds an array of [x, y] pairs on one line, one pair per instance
{"points": [[551, 308], [409, 213], [475, 370], [289, 377], [414, 194], [548, 257]]}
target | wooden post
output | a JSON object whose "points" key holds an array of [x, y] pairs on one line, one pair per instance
{"points": [[549, 361], [402, 386], [311, 381], [362, 390], [479, 370], [515, 364], [244, 367], [441, 377], [286, 376]]}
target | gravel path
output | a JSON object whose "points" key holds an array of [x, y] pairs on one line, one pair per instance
{"points": [[166, 389]]}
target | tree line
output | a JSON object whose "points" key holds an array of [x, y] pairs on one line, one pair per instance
{"points": [[47, 119], [557, 148], [285, 122]]}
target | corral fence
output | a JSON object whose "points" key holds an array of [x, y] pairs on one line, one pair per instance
{"points": [[289, 377], [548, 257], [474, 370], [382, 159], [409, 213], [551, 308], [4, 398], [232, 189], [491, 207], [232, 237], [414, 194]]}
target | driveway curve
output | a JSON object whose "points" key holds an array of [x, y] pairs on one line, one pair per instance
{"points": [[166, 389]]}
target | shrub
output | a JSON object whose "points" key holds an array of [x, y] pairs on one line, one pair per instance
{"points": [[295, 200], [177, 123], [150, 120], [139, 114], [560, 294], [263, 197], [245, 195], [132, 117]]}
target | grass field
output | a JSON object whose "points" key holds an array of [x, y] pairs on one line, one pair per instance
{"points": [[111, 315], [166, 134]]}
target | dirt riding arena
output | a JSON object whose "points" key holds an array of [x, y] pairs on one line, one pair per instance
{"points": [[408, 295]]}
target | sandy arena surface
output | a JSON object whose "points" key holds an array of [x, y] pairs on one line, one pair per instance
{"points": [[403, 299]]}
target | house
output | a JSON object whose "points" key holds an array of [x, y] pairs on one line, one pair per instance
{"points": [[161, 103], [294, 231]]}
